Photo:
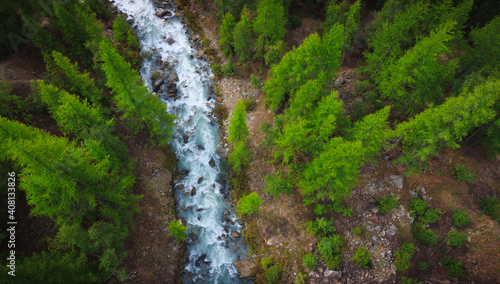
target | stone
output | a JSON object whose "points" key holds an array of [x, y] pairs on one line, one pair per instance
{"points": [[212, 163], [180, 186], [183, 172], [157, 84], [193, 237], [195, 37], [339, 81], [222, 152], [332, 273], [200, 180], [162, 13], [391, 232], [396, 180], [244, 268], [235, 234], [199, 54], [199, 147], [226, 212], [193, 191], [185, 138], [187, 193], [170, 40], [375, 210]]}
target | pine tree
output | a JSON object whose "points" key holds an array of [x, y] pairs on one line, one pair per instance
{"points": [[486, 52], [293, 142], [239, 156], [238, 130], [133, 99], [417, 77], [446, 125], [226, 34], [242, 36], [346, 15], [269, 24]]}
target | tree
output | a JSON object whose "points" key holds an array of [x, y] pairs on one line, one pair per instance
{"points": [[274, 52], [239, 156], [416, 78], [313, 59], [346, 15], [238, 130], [134, 100], [446, 125], [372, 131], [269, 24], [126, 41], [249, 204], [177, 231], [226, 34], [293, 141], [278, 182], [486, 52], [242, 36]]}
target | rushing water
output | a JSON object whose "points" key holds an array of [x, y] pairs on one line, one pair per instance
{"points": [[195, 142]]}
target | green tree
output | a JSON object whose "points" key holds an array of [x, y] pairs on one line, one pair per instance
{"points": [[226, 34], [293, 142], [126, 41], [278, 182], [348, 16], [403, 256], [177, 231], [274, 52], [446, 125], [373, 131], [269, 24], [417, 77], [363, 257], [486, 52], [249, 204], [238, 130], [242, 40], [239, 156], [310, 261], [136, 103]]}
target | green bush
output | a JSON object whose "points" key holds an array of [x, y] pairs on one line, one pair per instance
{"points": [[423, 266], [177, 231], [250, 104], [419, 206], [266, 262], [454, 267], [430, 216], [356, 231], [363, 257], [462, 173], [359, 109], [249, 204], [423, 235], [386, 203], [403, 256], [256, 82], [460, 218], [278, 182], [455, 238], [310, 261], [329, 248], [228, 69], [300, 279], [217, 69], [491, 207], [273, 274], [321, 227]]}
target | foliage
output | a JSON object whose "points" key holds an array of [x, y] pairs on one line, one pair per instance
{"points": [[423, 235], [430, 216], [239, 156], [455, 238], [329, 248], [273, 54], [403, 256], [491, 207], [177, 231], [419, 206], [256, 82], [294, 21], [407, 280], [363, 257], [11, 105], [372, 132], [460, 218], [249, 204], [133, 99], [242, 36], [462, 173], [310, 261], [423, 266], [416, 78], [486, 52], [386, 203], [321, 227], [226, 34], [238, 130], [454, 267], [266, 262], [356, 231], [300, 279], [278, 182], [250, 104], [447, 124], [228, 69], [126, 41], [269, 24], [314, 57], [273, 274], [292, 142]]}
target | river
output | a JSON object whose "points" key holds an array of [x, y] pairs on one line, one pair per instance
{"points": [[214, 244]]}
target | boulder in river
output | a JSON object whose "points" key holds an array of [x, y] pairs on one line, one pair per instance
{"points": [[199, 54], [225, 212], [244, 268], [235, 234], [170, 40], [162, 13], [212, 163], [200, 180]]}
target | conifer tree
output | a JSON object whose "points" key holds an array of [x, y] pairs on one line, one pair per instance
{"points": [[447, 124], [242, 36], [486, 52], [293, 142], [226, 34], [134, 100], [238, 130], [239, 156], [269, 25]]}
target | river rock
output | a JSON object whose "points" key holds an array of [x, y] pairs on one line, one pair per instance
{"points": [[222, 152], [162, 13], [180, 186], [339, 81], [193, 237], [212, 163], [193, 191], [170, 40], [226, 212], [199, 54], [157, 84], [235, 234], [183, 172], [199, 147], [195, 37], [244, 268], [187, 193], [185, 138]]}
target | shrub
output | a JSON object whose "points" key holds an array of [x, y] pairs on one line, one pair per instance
{"points": [[250, 104], [423, 266], [266, 262], [177, 231], [277, 183], [386, 203], [403, 256], [300, 279], [320, 209], [407, 280], [273, 274], [249, 204], [321, 227], [356, 231], [454, 267], [256, 82], [310, 261], [460, 218], [419, 206], [359, 109], [329, 249], [462, 173], [491, 207], [455, 238], [362, 257], [228, 69], [217, 69], [430, 216], [424, 235]]}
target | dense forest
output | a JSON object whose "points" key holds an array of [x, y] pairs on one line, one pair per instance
{"points": [[427, 81]]}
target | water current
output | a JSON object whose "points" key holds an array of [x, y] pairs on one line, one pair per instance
{"points": [[213, 248]]}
